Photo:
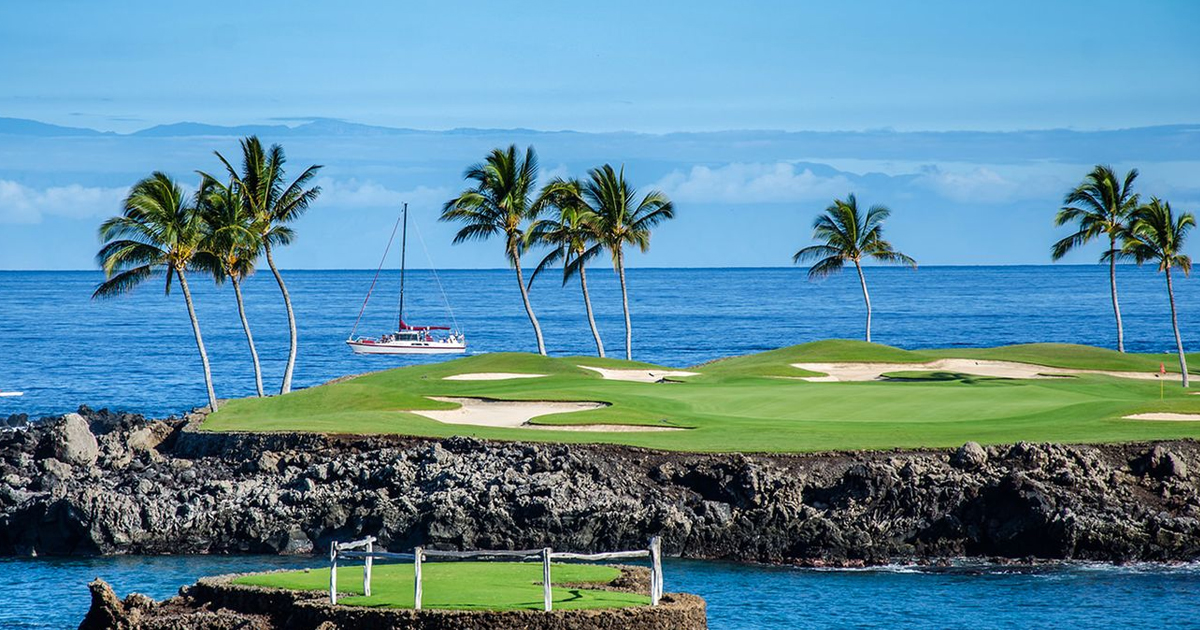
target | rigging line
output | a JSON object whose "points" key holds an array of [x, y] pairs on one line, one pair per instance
{"points": [[376, 278], [445, 300]]}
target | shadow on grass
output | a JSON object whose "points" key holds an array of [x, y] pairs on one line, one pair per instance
{"points": [[947, 377]]}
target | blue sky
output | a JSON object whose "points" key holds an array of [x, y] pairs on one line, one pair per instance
{"points": [[649, 68]]}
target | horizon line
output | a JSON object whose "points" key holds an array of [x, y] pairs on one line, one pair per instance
{"points": [[629, 268]]}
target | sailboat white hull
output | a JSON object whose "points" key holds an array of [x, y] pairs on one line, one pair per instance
{"points": [[366, 346]]}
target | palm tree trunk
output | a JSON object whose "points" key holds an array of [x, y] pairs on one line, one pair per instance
{"points": [[866, 297], [291, 317], [1112, 281], [1183, 370], [625, 305], [208, 382], [537, 328], [587, 303], [237, 292]]}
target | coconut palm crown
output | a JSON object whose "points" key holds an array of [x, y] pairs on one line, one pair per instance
{"points": [[1100, 207], [262, 189], [500, 203], [1156, 235], [159, 230], [845, 234]]}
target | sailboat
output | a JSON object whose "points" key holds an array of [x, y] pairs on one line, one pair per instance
{"points": [[406, 339]]}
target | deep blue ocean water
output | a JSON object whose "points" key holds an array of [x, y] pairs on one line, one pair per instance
{"points": [[52, 593], [136, 352]]}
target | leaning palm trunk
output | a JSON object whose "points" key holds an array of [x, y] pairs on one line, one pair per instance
{"points": [[625, 305], [1112, 281], [537, 328], [1183, 370], [291, 317], [187, 297], [587, 304], [237, 292], [866, 297]]}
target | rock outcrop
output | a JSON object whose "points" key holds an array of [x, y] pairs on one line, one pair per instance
{"points": [[215, 603], [153, 487]]}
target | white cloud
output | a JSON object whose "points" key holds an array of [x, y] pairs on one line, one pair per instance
{"points": [[983, 185], [352, 193], [23, 204], [752, 183]]}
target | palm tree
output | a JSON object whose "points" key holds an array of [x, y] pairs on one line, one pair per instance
{"points": [[230, 248], [1156, 235], [500, 204], [570, 235], [274, 204], [623, 220], [847, 235], [1100, 206], [158, 230]]}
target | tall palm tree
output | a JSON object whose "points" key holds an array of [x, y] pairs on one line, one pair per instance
{"points": [[1101, 206], [159, 230], [500, 204], [845, 234], [1156, 235], [274, 204], [621, 219], [230, 248], [570, 235]]}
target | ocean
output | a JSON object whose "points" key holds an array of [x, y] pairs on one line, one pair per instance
{"points": [[52, 593], [136, 353]]}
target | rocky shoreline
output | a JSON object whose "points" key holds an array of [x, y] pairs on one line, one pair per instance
{"points": [[104, 483]]}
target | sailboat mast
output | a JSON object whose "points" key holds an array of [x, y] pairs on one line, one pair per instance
{"points": [[403, 247]]}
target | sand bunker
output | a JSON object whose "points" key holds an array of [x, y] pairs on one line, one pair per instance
{"points": [[850, 372], [490, 376], [516, 414], [636, 376], [1166, 417]]}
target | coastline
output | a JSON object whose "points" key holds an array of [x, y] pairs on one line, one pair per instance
{"points": [[150, 487]]}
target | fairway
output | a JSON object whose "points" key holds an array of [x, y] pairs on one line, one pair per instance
{"points": [[463, 585], [758, 403]]}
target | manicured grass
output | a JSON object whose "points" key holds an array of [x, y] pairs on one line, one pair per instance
{"points": [[462, 585], [742, 404]]}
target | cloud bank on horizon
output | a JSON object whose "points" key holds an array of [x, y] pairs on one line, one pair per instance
{"points": [[745, 198]]}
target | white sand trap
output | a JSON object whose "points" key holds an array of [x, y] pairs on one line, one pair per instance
{"points": [[489, 376], [851, 372], [1166, 417], [636, 376], [516, 414]]}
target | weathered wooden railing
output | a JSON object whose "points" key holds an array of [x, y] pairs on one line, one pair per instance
{"points": [[365, 549]]}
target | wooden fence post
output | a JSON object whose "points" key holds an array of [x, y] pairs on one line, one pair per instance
{"points": [[417, 553], [333, 555], [656, 581], [546, 596], [367, 568]]}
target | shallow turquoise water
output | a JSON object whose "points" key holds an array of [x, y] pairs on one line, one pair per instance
{"points": [[52, 594]]}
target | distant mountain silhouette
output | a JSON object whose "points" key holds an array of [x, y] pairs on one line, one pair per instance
{"points": [[1164, 142], [24, 127]]}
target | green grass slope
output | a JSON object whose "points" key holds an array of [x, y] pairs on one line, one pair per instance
{"points": [[741, 404], [462, 585]]}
